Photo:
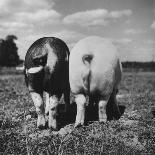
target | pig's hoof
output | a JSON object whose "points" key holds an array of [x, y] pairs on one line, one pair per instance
{"points": [[53, 126], [78, 124], [103, 120], [41, 122]]}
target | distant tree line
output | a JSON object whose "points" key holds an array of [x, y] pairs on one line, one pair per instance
{"points": [[9, 52], [142, 66]]}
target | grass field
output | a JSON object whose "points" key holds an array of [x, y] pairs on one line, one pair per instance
{"points": [[133, 133]]}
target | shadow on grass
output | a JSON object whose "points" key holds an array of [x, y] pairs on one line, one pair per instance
{"points": [[91, 114], [69, 118]]}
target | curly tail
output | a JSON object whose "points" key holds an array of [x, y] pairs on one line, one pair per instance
{"points": [[87, 59]]}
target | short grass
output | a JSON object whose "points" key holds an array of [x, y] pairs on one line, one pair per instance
{"points": [[133, 134]]}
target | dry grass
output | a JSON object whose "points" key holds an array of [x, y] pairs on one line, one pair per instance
{"points": [[134, 133]]}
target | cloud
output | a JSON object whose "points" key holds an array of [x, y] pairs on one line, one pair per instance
{"points": [[15, 14], [135, 52], [122, 41], [38, 16], [66, 35], [153, 25], [141, 54], [129, 51], [70, 37], [14, 25], [118, 14], [96, 17], [12, 6], [134, 31], [128, 21], [149, 41], [138, 53], [87, 18]]}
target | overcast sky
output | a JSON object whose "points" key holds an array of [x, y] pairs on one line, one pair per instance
{"points": [[130, 24]]}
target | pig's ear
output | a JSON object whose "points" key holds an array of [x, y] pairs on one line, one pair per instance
{"points": [[34, 70]]}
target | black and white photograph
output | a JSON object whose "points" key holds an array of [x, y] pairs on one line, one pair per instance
{"points": [[77, 77]]}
